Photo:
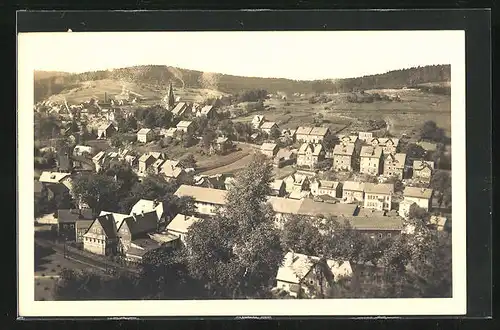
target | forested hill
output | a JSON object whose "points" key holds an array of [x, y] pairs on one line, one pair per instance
{"points": [[160, 76]]}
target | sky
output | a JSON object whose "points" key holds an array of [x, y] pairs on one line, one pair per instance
{"points": [[306, 55]]}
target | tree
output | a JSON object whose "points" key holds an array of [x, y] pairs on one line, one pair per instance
{"points": [[226, 127], [131, 123], [340, 240], [187, 161], [239, 253], [300, 235], [99, 191], [274, 133], [318, 119], [430, 131], [125, 176], [414, 151], [62, 200], [208, 138], [188, 140], [330, 141], [150, 120]]}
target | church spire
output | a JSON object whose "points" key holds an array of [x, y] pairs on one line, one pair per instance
{"points": [[171, 97]]}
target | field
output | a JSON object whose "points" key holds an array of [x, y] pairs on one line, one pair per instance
{"points": [[415, 108], [97, 89]]}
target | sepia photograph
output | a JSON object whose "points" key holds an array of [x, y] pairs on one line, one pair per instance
{"points": [[211, 170]]}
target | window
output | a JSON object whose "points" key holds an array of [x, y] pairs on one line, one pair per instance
{"points": [[379, 235], [389, 235]]}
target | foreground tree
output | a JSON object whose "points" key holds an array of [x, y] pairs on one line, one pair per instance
{"points": [[300, 235], [239, 251], [99, 191]]}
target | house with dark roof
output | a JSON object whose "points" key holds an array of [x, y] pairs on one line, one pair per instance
{"points": [[101, 237], [67, 219], [135, 227], [105, 131]]}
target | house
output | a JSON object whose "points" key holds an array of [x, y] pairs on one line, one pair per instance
{"points": [[105, 131], [343, 156], [302, 133], [146, 161], [377, 224], [350, 139], [394, 165], [370, 160], [180, 225], [98, 160], [131, 160], [427, 146], [255, 136], [388, 145], [207, 111], [145, 135], [437, 222], [301, 275], [146, 206], [82, 226], [324, 187], [268, 126], [288, 133], [314, 209], [405, 207], [378, 196], [229, 182], [318, 134], [207, 200], [269, 149], [299, 194], [179, 109], [101, 237], [420, 196], [185, 126], [170, 169], [66, 221], [135, 227], [170, 132], [63, 179], [310, 155], [156, 166], [80, 150], [423, 170], [283, 208], [296, 182], [278, 188], [284, 157], [353, 191], [257, 121], [365, 136], [221, 145], [139, 247]]}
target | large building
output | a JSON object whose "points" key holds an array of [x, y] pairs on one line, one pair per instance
{"points": [[420, 196], [343, 155], [378, 196], [370, 160]]}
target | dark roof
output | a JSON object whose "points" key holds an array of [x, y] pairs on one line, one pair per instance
{"points": [[142, 223], [72, 215], [108, 225], [56, 188]]}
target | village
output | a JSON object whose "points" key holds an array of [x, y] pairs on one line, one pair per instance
{"points": [[370, 179]]}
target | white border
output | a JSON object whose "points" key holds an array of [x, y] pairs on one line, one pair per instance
{"points": [[28, 307]]}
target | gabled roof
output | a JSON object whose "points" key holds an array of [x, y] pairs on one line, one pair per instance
{"points": [[53, 177], [108, 225], [144, 131], [304, 130], [221, 139], [146, 205], [206, 109], [284, 154], [145, 157], [171, 171], [299, 194], [257, 119], [369, 151], [417, 192], [184, 123], [268, 146], [313, 208], [421, 164], [296, 178], [284, 205], [179, 108], [315, 149], [202, 194], [348, 138], [399, 159], [72, 215], [158, 163], [141, 223], [117, 217], [105, 126], [327, 184], [319, 131], [379, 188], [276, 184], [100, 155], [376, 222], [181, 223], [354, 186], [344, 149], [268, 125], [427, 146]]}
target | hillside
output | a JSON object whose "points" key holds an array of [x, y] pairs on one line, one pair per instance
{"points": [[49, 74], [157, 77]]}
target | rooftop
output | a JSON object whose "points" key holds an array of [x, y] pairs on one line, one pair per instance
{"points": [[344, 149], [53, 177], [313, 208], [354, 185], [398, 159], [379, 188], [268, 125], [284, 205], [184, 123], [202, 194], [144, 131], [72, 215], [369, 151], [320, 131], [304, 130], [421, 164], [181, 223], [268, 146], [417, 192]]}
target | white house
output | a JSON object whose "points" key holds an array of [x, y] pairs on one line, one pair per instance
{"points": [[145, 135], [420, 196], [180, 225], [207, 200]]}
